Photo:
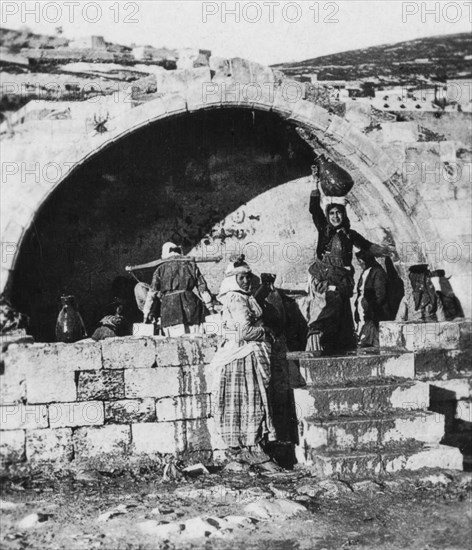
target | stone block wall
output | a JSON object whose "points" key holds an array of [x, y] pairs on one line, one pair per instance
{"points": [[119, 398]]}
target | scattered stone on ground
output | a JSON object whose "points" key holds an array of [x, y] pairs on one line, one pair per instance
{"points": [[280, 508], [196, 469], [227, 510], [32, 520]]}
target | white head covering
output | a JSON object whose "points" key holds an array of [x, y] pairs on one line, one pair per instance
{"points": [[230, 284], [166, 250]]}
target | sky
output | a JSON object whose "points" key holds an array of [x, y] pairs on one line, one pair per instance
{"points": [[265, 31]]}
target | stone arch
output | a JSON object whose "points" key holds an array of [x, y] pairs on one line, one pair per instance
{"points": [[192, 91]]}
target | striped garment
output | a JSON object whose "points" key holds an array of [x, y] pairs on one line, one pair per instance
{"points": [[243, 412]]}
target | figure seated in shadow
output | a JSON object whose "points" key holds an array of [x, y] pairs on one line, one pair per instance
{"points": [[371, 305], [449, 306], [113, 324], [420, 302]]}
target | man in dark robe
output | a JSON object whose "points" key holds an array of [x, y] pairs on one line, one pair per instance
{"points": [[176, 282]]}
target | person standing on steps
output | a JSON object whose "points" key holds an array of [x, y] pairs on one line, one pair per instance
{"points": [[331, 326]]}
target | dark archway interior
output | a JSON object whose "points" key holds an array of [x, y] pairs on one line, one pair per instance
{"points": [[170, 181]]}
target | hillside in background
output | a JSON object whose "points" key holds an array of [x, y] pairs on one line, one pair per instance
{"points": [[436, 58]]}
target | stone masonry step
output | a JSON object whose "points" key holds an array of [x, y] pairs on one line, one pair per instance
{"points": [[364, 398], [335, 370], [369, 432], [362, 464], [406, 336], [442, 364]]}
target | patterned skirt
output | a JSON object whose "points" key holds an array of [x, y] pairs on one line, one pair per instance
{"points": [[242, 417]]}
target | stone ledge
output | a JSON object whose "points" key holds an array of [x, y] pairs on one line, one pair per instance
{"points": [[447, 335], [372, 398]]}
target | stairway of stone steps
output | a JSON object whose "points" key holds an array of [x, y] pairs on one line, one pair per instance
{"points": [[363, 415], [443, 358]]}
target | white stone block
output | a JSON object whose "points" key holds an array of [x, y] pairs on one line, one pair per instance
{"points": [[427, 428], [12, 383], [128, 353], [183, 407], [83, 413], [17, 416], [313, 436], [414, 397], [402, 366], [167, 352], [464, 410], [157, 382], [49, 445], [12, 446], [440, 456], [96, 442], [158, 438], [50, 383]]}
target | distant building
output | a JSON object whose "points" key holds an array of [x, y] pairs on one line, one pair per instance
{"points": [[460, 92], [144, 53], [89, 43], [150, 53], [190, 58]]}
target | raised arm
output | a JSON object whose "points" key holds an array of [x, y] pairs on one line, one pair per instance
{"points": [[319, 218]]}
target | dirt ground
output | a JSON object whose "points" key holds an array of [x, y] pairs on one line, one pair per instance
{"points": [[92, 510]]}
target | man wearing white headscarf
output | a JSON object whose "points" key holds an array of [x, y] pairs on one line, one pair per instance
{"points": [[176, 282], [241, 366]]}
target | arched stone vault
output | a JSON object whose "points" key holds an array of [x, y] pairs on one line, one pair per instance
{"points": [[64, 148]]}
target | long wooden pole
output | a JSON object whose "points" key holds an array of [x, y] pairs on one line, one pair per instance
{"points": [[156, 263]]}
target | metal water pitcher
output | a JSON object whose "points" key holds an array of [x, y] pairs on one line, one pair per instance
{"points": [[70, 325]]}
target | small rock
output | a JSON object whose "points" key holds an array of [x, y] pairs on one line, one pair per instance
{"points": [[280, 508], [234, 466], [155, 511], [464, 480], [434, 479], [110, 515], [309, 490], [88, 476], [239, 521], [332, 489], [32, 520], [367, 485], [199, 527], [160, 530], [196, 469]]}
